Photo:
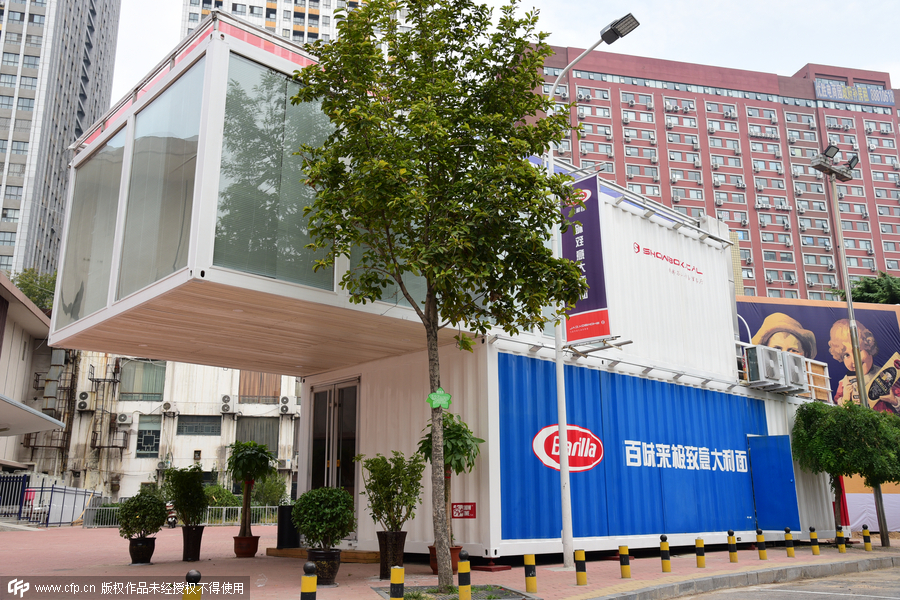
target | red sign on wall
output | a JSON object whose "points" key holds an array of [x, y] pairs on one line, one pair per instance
{"points": [[462, 510]]}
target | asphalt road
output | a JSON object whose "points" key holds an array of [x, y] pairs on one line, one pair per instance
{"points": [[883, 583]]}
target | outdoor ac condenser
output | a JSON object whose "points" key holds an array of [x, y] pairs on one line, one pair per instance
{"points": [[764, 368], [795, 379]]}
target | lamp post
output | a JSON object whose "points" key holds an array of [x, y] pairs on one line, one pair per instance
{"points": [[612, 32], [825, 163]]}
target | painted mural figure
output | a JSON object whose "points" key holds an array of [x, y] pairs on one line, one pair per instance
{"points": [[782, 332], [882, 385]]}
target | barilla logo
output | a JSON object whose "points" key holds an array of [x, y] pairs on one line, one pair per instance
{"points": [[585, 448]]}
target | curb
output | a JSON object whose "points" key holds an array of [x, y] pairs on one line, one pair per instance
{"points": [[765, 576]]}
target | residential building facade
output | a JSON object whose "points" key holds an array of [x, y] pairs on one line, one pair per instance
{"points": [[55, 80], [738, 144]]}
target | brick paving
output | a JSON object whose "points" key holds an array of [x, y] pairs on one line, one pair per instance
{"points": [[101, 552]]}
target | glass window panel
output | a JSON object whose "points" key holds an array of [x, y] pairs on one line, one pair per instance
{"points": [[142, 380], [158, 215], [84, 282], [260, 226]]}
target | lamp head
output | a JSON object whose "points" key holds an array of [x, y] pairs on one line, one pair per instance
{"points": [[619, 29], [831, 151], [854, 160]]}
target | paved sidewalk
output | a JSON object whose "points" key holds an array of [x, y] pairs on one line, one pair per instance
{"points": [[101, 552]]}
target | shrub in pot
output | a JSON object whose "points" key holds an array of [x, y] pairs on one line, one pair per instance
{"points": [[184, 488], [460, 451], [249, 462], [393, 488], [140, 517], [324, 517]]}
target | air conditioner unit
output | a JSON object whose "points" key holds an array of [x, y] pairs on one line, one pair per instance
{"points": [[719, 202], [124, 419], [846, 128], [870, 251], [762, 223], [226, 398], [812, 125], [627, 139], [795, 380], [699, 181], [717, 183], [831, 266], [760, 187], [792, 140], [656, 178], [714, 165], [225, 408], [610, 154], [798, 191], [609, 137], [744, 223], [285, 409], [669, 125], [828, 245], [840, 194], [872, 146], [675, 180], [669, 106], [870, 129], [650, 105], [711, 129], [169, 408], [696, 145], [856, 145], [583, 152], [697, 164], [630, 175], [801, 210], [85, 402], [676, 199], [737, 151], [654, 159], [787, 226], [580, 114], [741, 185], [769, 280], [788, 244], [819, 175], [872, 268], [865, 214], [779, 170], [756, 168], [765, 369], [579, 97], [802, 227], [631, 103], [777, 152], [626, 120], [896, 166], [826, 229], [774, 121], [284, 464], [564, 95]]}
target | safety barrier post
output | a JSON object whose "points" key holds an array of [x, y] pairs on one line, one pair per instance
{"points": [[397, 583], [465, 576], [788, 542], [664, 554], [867, 538], [308, 582], [580, 568], [761, 545], [732, 547], [530, 574], [839, 540], [700, 551], [624, 564], [192, 588], [814, 541]]}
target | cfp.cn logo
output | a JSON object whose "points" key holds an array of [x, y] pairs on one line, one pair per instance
{"points": [[17, 587]]}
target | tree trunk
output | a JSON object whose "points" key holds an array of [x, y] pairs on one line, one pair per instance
{"points": [[836, 488], [245, 511], [439, 511]]}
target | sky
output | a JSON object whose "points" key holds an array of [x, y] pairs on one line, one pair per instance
{"points": [[772, 36]]}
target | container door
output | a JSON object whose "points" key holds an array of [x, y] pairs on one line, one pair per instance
{"points": [[334, 436], [774, 489]]}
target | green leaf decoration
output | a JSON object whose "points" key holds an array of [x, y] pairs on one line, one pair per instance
{"points": [[440, 398]]}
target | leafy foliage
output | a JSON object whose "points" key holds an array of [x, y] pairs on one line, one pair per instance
{"points": [[141, 515], [324, 516], [847, 440], [393, 487], [884, 289], [460, 445], [184, 487], [217, 495], [248, 462], [269, 491], [39, 287]]}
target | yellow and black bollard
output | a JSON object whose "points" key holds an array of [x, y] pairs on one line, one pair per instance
{"points": [[664, 554], [761, 545], [867, 538], [465, 576], [732, 547], [814, 541], [839, 540], [788, 542], [624, 564], [700, 551], [397, 583], [309, 581], [192, 588], [530, 574], [580, 568]]}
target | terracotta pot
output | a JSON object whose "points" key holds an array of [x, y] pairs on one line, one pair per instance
{"points": [[246, 547], [454, 558], [390, 547], [191, 536], [327, 564], [141, 550]]}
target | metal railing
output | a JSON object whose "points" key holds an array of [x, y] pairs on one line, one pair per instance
{"points": [[108, 516]]}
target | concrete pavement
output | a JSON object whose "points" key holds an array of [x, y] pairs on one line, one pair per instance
{"points": [[101, 552]]}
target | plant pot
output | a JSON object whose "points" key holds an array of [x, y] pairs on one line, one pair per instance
{"points": [[246, 547], [327, 564], [454, 558], [141, 550], [191, 535], [390, 547]]}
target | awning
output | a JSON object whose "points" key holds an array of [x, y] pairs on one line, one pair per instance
{"points": [[11, 464], [17, 418]]}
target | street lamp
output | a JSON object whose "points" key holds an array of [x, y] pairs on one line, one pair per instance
{"points": [[612, 32], [825, 163]]}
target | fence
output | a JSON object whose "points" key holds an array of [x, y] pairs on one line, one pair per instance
{"points": [[12, 494], [108, 516], [45, 505]]}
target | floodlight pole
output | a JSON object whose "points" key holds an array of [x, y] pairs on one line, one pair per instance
{"points": [[610, 33]]}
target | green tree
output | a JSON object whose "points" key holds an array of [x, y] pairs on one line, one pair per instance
{"points": [[884, 289], [39, 287], [269, 491], [425, 179]]}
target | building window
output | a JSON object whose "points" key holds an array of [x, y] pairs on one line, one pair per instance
{"points": [[6, 263], [193, 17], [199, 425], [149, 428], [28, 83], [16, 170], [10, 215], [36, 20], [3, 144], [259, 388], [10, 59], [8, 80], [239, 9], [256, 11], [13, 192], [35, 41], [26, 104], [142, 380], [20, 147], [31, 62], [16, 17], [7, 238]]}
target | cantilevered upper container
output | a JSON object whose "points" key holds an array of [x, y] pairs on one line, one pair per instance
{"points": [[186, 238]]}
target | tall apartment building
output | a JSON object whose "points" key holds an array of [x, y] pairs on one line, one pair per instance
{"points": [[298, 20], [738, 144], [55, 80]]}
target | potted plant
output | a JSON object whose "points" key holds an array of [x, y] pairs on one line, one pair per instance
{"points": [[140, 517], [393, 487], [184, 488], [460, 451], [248, 463], [324, 516]]}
